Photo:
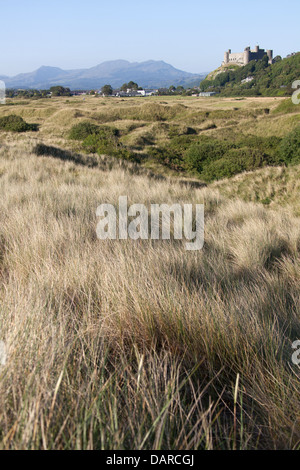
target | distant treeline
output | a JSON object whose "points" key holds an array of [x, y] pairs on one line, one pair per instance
{"points": [[106, 90], [53, 91]]}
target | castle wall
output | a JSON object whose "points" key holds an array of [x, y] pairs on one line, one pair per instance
{"points": [[257, 54], [243, 58], [237, 58]]}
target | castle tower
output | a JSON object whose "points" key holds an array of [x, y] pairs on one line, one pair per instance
{"points": [[247, 56], [226, 58], [256, 50], [270, 56]]}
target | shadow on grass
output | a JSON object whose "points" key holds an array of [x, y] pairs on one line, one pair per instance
{"points": [[65, 155], [106, 163]]}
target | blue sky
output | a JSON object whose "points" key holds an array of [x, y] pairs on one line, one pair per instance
{"points": [[191, 35]]}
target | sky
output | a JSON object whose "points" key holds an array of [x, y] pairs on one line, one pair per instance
{"points": [[191, 35]]}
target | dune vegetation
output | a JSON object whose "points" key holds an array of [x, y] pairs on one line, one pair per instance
{"points": [[141, 344], [208, 140]]}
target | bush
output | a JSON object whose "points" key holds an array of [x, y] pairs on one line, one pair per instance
{"points": [[102, 140], [180, 144], [85, 129], [213, 159], [234, 161], [176, 131], [82, 130], [97, 144], [266, 145], [201, 153], [289, 149], [167, 156], [16, 123], [107, 144]]}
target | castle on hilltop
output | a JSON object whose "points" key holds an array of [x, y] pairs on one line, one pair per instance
{"points": [[243, 58]]}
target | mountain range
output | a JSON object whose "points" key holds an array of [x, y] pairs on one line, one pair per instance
{"points": [[149, 74]]}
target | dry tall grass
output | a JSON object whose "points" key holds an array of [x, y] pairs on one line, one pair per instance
{"points": [[272, 186], [138, 345]]}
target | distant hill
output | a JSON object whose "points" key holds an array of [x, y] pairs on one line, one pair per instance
{"points": [[156, 74], [255, 79]]}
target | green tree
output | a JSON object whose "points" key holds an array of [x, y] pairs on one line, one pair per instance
{"points": [[106, 90], [180, 89], [60, 91], [132, 85]]}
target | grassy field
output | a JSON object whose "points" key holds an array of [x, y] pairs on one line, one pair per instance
{"points": [[137, 117], [166, 134], [143, 345]]}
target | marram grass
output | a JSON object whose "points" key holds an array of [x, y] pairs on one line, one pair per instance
{"points": [[142, 345]]}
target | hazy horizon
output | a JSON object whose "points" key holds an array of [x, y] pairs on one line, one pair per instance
{"points": [[191, 37]]}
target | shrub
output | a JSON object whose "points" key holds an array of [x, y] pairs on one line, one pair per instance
{"points": [[201, 153], [234, 161], [16, 123], [107, 144], [104, 137], [126, 154], [98, 144], [176, 130], [225, 167], [267, 145], [167, 156], [82, 130], [102, 140], [85, 129], [289, 149], [181, 143]]}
